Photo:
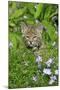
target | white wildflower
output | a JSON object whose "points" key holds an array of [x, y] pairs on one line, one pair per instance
{"points": [[34, 78], [51, 82], [47, 71], [37, 21], [38, 59], [25, 17], [49, 62], [56, 72], [10, 44], [53, 77]]}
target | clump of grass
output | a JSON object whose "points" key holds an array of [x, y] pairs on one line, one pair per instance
{"points": [[23, 66]]}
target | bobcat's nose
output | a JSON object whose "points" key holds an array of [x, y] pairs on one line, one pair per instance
{"points": [[30, 42]]}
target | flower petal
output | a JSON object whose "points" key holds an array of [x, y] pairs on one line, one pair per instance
{"points": [[38, 59], [47, 71]]}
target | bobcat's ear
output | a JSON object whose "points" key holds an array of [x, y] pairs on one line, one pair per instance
{"points": [[23, 27], [40, 28]]}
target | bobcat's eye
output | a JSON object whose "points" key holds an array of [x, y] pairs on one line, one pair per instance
{"points": [[34, 37], [27, 37]]}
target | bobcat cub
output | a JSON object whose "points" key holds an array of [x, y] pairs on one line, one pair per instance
{"points": [[32, 35]]}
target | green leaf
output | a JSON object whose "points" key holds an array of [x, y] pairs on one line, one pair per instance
{"points": [[11, 24], [14, 5], [43, 13], [48, 12], [30, 21], [38, 10], [54, 14], [50, 30], [17, 13], [31, 8]]}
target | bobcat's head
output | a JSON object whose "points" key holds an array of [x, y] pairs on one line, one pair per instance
{"points": [[32, 35]]}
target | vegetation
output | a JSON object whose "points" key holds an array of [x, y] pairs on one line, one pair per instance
{"points": [[24, 70]]}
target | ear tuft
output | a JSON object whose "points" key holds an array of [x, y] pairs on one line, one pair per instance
{"points": [[23, 27]]}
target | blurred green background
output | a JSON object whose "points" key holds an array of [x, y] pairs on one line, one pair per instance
{"points": [[22, 66]]}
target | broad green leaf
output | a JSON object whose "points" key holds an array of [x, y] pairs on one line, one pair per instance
{"points": [[50, 29], [43, 13], [32, 11], [48, 12], [54, 14], [17, 13], [30, 21], [11, 24], [31, 8], [38, 10], [14, 5]]}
